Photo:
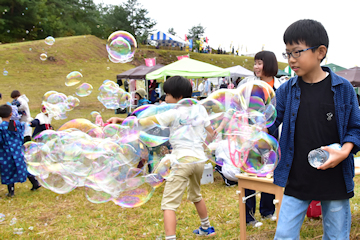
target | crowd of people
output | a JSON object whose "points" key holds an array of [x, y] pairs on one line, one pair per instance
{"points": [[315, 108]]}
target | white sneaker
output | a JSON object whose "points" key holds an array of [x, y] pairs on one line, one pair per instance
{"points": [[271, 217], [255, 224]]}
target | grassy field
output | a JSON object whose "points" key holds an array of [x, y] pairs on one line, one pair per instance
{"points": [[72, 216]]}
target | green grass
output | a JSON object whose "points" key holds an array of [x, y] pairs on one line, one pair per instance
{"points": [[72, 216]]}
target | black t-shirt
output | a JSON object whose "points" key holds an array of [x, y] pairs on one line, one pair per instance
{"points": [[315, 126]]}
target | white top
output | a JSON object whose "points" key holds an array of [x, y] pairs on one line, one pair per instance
{"points": [[24, 106], [43, 119], [201, 87], [187, 130], [223, 152]]}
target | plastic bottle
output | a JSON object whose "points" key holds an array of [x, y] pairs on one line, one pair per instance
{"points": [[318, 157]]}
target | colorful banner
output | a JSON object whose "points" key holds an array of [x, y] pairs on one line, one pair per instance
{"points": [[190, 43], [149, 62], [183, 56]]}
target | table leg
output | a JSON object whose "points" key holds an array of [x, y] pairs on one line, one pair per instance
{"points": [[242, 213], [278, 196]]}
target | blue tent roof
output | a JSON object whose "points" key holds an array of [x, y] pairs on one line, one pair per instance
{"points": [[166, 39]]}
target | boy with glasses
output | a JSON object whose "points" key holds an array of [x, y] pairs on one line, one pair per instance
{"points": [[317, 108]]}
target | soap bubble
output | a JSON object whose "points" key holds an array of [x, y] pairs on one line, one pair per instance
{"points": [[5, 73], [126, 163], [84, 90], [58, 182], [121, 47], [105, 168], [2, 217], [139, 193], [258, 99], [112, 96], [43, 57], [50, 40], [71, 103], [114, 60], [57, 104], [263, 156], [73, 78]]}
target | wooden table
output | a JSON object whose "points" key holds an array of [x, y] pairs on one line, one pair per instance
{"points": [[261, 184]]}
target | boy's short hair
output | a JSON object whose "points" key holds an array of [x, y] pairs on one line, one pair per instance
{"points": [[15, 94], [270, 65], [178, 87], [312, 33], [5, 111]]}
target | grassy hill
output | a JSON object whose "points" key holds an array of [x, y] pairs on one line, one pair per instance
{"points": [[87, 54]]}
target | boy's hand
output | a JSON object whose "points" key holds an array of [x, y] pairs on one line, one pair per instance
{"points": [[115, 120], [336, 156]]}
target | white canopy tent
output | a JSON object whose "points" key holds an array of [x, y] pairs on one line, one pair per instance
{"points": [[239, 71]]}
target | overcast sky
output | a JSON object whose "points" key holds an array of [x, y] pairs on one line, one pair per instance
{"points": [[254, 23]]}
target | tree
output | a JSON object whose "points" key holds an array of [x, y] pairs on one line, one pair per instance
{"points": [[172, 31], [30, 20], [195, 33], [115, 18], [18, 20], [140, 24]]}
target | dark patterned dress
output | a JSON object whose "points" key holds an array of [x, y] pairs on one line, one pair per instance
{"points": [[12, 165]]}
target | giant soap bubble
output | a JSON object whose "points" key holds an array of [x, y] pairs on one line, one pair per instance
{"points": [[125, 163], [57, 104], [121, 47], [111, 163], [112, 96]]}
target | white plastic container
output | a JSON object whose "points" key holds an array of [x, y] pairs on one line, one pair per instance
{"points": [[208, 174]]}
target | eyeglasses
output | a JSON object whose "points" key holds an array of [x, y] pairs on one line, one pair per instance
{"points": [[296, 54]]}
